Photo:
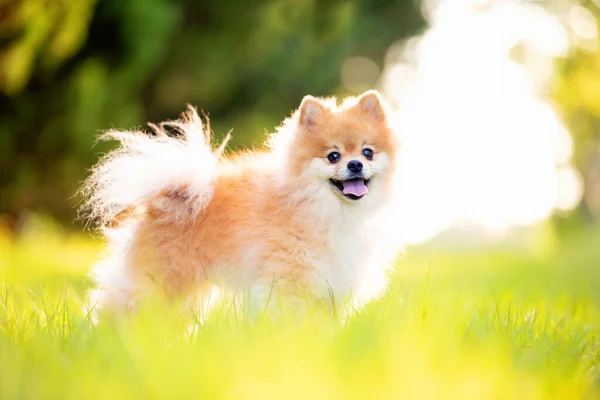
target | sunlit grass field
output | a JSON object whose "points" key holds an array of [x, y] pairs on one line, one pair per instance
{"points": [[519, 321]]}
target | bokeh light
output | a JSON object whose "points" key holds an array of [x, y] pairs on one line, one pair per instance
{"points": [[482, 143], [359, 74]]}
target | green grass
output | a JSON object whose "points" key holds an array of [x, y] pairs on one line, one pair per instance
{"points": [[506, 322]]}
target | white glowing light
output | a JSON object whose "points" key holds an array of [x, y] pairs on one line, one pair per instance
{"points": [[570, 188], [480, 143], [583, 23]]}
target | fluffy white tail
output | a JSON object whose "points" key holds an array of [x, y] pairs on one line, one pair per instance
{"points": [[175, 173]]}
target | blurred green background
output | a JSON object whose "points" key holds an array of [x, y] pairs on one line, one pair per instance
{"points": [[69, 69]]}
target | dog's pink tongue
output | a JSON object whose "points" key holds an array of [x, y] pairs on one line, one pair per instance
{"points": [[356, 187]]}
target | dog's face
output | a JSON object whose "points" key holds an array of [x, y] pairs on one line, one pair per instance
{"points": [[350, 149]]}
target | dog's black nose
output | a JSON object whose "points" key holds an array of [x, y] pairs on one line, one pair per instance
{"points": [[355, 166]]}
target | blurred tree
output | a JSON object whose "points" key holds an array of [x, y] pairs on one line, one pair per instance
{"points": [[69, 69], [576, 88]]}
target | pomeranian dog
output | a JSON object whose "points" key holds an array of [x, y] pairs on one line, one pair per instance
{"points": [[294, 221]]}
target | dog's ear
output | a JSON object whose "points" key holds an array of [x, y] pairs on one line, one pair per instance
{"points": [[312, 111], [370, 103]]}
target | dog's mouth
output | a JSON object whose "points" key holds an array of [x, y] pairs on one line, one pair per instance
{"points": [[353, 189]]}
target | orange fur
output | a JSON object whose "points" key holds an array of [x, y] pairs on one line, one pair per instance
{"points": [[271, 217]]}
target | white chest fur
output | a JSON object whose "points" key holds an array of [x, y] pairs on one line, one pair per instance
{"points": [[341, 271]]}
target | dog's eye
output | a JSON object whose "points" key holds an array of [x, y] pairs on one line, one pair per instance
{"points": [[334, 157], [368, 153]]}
